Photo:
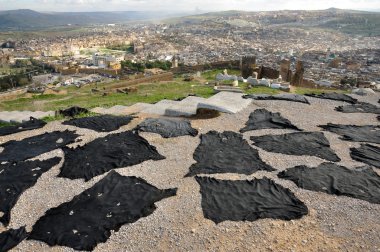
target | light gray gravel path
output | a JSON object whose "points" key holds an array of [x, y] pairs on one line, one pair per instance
{"points": [[335, 223]]}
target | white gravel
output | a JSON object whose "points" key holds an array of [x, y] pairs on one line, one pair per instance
{"points": [[335, 223]]}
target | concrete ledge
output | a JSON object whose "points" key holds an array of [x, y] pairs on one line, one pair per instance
{"points": [[20, 116], [226, 102], [186, 107], [160, 107]]}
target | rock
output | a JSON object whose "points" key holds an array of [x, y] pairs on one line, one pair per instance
{"points": [[363, 91]]}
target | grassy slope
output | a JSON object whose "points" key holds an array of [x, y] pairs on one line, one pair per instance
{"points": [[83, 97], [366, 24], [148, 93]]}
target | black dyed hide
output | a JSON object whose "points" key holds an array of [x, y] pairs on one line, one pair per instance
{"points": [[89, 217], [226, 152], [107, 153], [362, 183], [11, 238], [367, 153], [366, 133], [238, 200], [32, 124], [281, 97], [167, 127], [72, 111], [264, 119], [334, 96], [103, 123], [298, 143], [15, 178], [362, 107], [36, 145]]}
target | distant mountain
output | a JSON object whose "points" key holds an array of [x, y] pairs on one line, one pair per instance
{"points": [[31, 20], [347, 21]]}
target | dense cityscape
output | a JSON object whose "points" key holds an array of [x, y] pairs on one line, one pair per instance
{"points": [[171, 128], [328, 55]]}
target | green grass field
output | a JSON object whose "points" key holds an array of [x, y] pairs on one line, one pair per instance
{"points": [[84, 97], [147, 93]]}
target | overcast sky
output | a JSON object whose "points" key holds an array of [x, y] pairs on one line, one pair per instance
{"points": [[185, 5]]}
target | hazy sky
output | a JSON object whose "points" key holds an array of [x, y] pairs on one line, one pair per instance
{"points": [[185, 5]]}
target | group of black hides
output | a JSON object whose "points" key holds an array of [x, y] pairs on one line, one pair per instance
{"points": [[89, 217], [15, 178], [263, 119], [226, 152], [334, 96], [11, 238], [243, 200], [366, 133], [107, 153], [298, 143], [32, 124], [361, 183], [36, 145], [103, 123], [361, 107], [283, 97], [367, 153], [72, 111], [167, 127]]}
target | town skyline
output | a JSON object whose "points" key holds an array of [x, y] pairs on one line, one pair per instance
{"points": [[183, 6]]}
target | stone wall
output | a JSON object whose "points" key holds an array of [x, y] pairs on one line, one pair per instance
{"points": [[285, 72], [268, 73], [69, 71], [154, 78], [234, 64], [248, 65], [297, 78], [112, 72]]}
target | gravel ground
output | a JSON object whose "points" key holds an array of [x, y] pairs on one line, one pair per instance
{"points": [[334, 223]]}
